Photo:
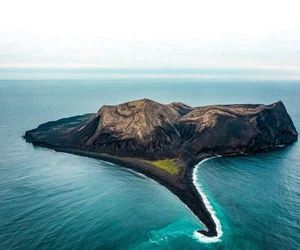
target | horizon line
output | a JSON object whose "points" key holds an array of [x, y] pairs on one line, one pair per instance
{"points": [[151, 67]]}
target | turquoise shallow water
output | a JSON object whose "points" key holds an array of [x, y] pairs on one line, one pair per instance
{"points": [[51, 200]]}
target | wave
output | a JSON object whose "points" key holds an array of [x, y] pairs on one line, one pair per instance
{"points": [[197, 235]]}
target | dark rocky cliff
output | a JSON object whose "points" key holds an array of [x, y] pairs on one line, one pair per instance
{"points": [[149, 129]]}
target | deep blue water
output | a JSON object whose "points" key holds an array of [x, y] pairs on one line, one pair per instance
{"points": [[51, 200]]}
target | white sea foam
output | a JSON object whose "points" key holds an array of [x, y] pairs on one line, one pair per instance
{"points": [[210, 209], [197, 235]]}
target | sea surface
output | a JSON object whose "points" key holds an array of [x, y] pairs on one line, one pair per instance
{"points": [[51, 200]]}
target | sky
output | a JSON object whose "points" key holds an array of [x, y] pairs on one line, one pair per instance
{"points": [[150, 34]]}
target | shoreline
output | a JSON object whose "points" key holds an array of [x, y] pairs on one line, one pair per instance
{"points": [[209, 207], [186, 188], [187, 193]]}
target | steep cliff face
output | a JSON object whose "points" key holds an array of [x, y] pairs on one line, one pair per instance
{"points": [[148, 129], [236, 129]]}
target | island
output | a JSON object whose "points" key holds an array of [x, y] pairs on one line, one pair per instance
{"points": [[166, 141]]}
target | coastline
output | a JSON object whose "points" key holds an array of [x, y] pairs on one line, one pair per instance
{"points": [[209, 207], [187, 193]]}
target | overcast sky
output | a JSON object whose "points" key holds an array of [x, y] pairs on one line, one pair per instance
{"points": [[137, 33]]}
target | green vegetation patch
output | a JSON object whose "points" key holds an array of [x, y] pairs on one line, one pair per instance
{"points": [[167, 165]]}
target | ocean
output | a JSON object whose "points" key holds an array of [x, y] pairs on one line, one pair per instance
{"points": [[51, 200]]}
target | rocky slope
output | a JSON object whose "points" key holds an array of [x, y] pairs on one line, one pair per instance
{"points": [[136, 133], [149, 129]]}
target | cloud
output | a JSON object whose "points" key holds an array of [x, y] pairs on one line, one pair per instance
{"points": [[150, 33]]}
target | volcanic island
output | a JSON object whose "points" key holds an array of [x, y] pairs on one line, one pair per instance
{"points": [[166, 141]]}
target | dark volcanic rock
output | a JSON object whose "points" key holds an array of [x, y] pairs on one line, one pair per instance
{"points": [[236, 129], [153, 130], [130, 133]]}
